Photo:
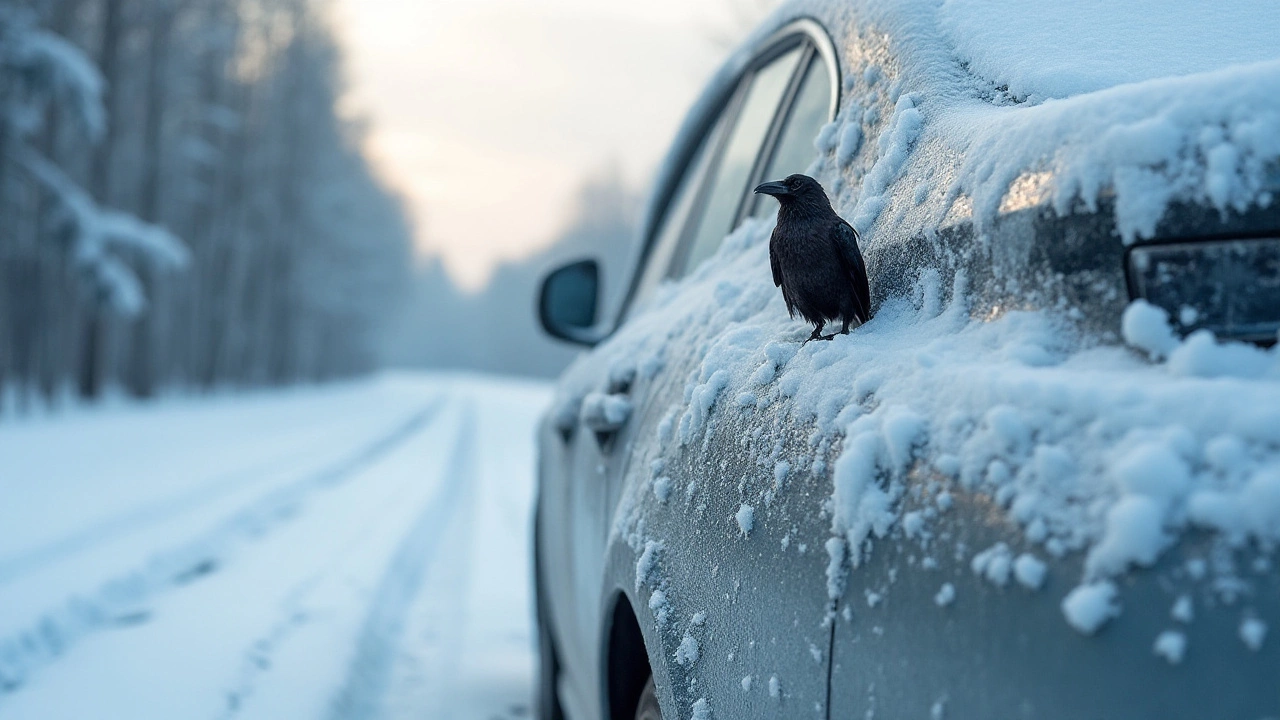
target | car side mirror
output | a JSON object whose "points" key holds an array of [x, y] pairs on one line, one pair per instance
{"points": [[569, 300]]}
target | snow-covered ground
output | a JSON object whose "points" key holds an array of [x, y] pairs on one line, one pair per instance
{"points": [[349, 551]]}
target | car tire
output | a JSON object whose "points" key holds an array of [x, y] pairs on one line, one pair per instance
{"points": [[548, 699], [647, 706]]}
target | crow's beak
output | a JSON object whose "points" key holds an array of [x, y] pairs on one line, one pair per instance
{"points": [[774, 188]]}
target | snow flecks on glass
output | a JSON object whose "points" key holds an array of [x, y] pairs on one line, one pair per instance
{"points": [[746, 683], [1170, 645], [701, 710], [945, 595], [1089, 607], [775, 687]]}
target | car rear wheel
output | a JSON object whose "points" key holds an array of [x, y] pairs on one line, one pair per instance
{"points": [[647, 706]]}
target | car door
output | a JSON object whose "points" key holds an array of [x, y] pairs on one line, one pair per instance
{"points": [[800, 85], [594, 450], [593, 427]]}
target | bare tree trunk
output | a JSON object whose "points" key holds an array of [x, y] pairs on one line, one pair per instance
{"points": [[91, 358], [142, 375]]}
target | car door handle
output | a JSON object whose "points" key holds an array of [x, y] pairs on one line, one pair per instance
{"points": [[605, 414]]}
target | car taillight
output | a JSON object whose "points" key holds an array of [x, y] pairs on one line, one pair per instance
{"points": [[1231, 287]]}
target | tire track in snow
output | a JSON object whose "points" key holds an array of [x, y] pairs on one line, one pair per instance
{"points": [[364, 692], [106, 530], [121, 601]]}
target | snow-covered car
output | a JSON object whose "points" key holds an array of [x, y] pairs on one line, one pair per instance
{"points": [[1043, 481]]}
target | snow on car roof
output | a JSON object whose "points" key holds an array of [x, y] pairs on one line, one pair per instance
{"points": [[1045, 49]]}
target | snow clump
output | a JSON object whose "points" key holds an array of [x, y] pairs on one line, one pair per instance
{"points": [[687, 652], [1030, 571], [1089, 607], [646, 563], [1146, 327], [659, 608], [1182, 610], [1253, 632], [662, 488], [746, 519], [994, 564], [1170, 645]]}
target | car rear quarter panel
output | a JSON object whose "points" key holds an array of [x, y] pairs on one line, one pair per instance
{"points": [[1007, 651]]}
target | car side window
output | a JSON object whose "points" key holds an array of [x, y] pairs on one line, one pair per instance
{"points": [[667, 239], [728, 179], [794, 152]]}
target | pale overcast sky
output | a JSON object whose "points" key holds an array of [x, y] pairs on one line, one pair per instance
{"points": [[488, 114]]}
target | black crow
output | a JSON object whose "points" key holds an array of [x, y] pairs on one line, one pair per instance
{"points": [[815, 258]]}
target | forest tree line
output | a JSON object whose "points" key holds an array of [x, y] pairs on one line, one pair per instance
{"points": [[181, 203], [495, 329]]}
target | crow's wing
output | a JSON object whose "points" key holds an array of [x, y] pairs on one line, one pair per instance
{"points": [[773, 265], [777, 279], [845, 239]]}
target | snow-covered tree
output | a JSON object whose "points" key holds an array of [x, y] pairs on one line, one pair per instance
{"points": [[125, 124], [38, 71]]}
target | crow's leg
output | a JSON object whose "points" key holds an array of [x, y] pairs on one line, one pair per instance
{"points": [[845, 330], [832, 336], [817, 334]]}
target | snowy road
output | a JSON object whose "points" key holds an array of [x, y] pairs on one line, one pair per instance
{"points": [[358, 551]]}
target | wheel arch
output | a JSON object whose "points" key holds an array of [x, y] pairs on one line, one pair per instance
{"points": [[631, 651]]}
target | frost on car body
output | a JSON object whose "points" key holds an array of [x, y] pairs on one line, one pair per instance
{"points": [[1006, 415]]}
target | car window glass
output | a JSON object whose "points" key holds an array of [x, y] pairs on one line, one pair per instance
{"points": [[729, 183], [667, 238], [809, 112]]}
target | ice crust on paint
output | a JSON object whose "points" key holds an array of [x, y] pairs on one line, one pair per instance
{"points": [[1105, 448]]}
